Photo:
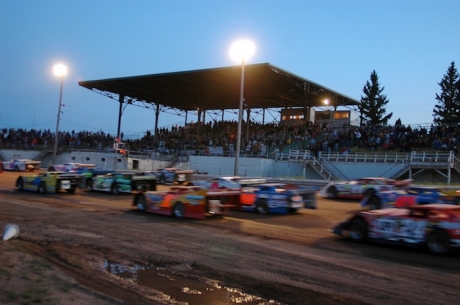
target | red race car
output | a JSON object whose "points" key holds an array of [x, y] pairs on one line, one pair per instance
{"points": [[187, 201], [436, 226]]}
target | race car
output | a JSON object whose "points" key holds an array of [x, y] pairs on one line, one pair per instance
{"points": [[276, 198], [21, 165], [358, 189], [436, 226], [414, 195], [174, 175], [49, 182], [187, 201], [166, 175], [89, 174], [231, 182], [69, 167], [118, 182]]}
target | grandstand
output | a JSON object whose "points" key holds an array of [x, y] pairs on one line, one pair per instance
{"points": [[310, 151]]}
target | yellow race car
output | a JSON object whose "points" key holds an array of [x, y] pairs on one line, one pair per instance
{"points": [[49, 182]]}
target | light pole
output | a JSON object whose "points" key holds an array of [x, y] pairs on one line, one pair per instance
{"points": [[61, 71], [241, 51]]}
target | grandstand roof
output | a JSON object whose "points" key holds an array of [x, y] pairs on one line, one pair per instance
{"points": [[265, 86]]}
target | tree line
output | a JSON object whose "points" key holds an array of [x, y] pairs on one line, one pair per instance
{"points": [[447, 110]]}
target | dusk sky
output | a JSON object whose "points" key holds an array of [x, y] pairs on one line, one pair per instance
{"points": [[335, 43]]}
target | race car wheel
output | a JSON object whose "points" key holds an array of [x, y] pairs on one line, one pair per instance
{"points": [[374, 203], [51, 168], [438, 242], [369, 192], [262, 207], [42, 188], [114, 189], [20, 184], [89, 184], [71, 190], [332, 192], [357, 230], [16, 168], [140, 202], [162, 179], [179, 210]]}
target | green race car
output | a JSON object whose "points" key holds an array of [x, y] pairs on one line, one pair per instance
{"points": [[122, 183]]}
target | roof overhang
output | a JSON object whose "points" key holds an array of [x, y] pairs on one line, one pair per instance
{"points": [[265, 86]]}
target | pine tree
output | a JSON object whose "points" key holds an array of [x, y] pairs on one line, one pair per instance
{"points": [[372, 107], [447, 111]]}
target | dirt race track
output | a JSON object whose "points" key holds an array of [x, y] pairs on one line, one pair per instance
{"points": [[95, 248]]}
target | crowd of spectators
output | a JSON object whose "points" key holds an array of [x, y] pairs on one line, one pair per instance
{"points": [[257, 139]]}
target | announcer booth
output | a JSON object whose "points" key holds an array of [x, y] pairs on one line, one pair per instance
{"points": [[335, 118], [343, 118]]}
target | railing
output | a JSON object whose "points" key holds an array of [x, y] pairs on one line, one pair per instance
{"points": [[367, 157], [436, 157], [338, 175], [322, 170]]}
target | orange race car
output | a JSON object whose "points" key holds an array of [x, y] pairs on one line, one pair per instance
{"points": [[187, 201]]}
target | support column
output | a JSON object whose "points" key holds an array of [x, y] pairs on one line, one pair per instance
{"points": [[306, 117], [448, 175], [263, 116], [198, 123], [157, 115], [223, 111], [121, 98], [248, 119]]}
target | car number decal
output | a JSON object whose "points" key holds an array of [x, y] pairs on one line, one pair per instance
{"points": [[406, 229]]}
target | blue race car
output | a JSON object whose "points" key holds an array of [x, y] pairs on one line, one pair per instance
{"points": [[414, 195], [276, 198]]}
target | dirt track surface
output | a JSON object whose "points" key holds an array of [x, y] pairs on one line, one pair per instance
{"points": [[290, 259]]}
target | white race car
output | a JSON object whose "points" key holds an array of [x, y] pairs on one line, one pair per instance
{"points": [[231, 182], [69, 167], [21, 165], [358, 189]]}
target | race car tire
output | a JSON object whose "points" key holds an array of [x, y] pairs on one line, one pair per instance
{"points": [[179, 210], [140, 202], [51, 168], [20, 184], [16, 168], [114, 189], [332, 192], [42, 188], [369, 192], [262, 207], [374, 203], [89, 184], [438, 242], [357, 230], [162, 179], [71, 190]]}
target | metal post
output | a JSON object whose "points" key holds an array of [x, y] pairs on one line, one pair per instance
{"points": [[240, 116], [57, 123]]}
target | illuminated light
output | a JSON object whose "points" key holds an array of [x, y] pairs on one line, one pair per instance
{"points": [[60, 70], [242, 50]]}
